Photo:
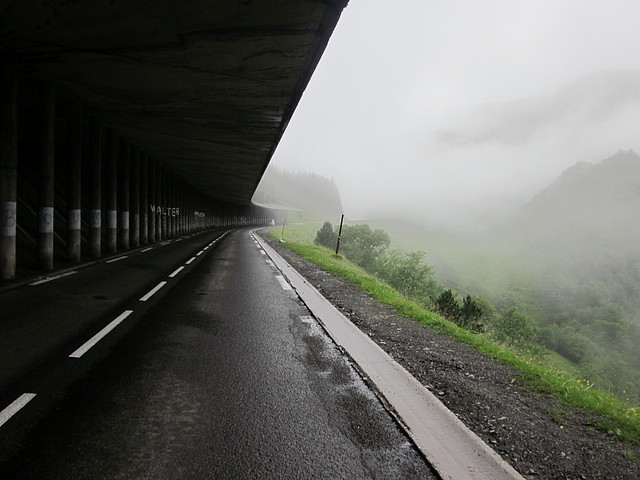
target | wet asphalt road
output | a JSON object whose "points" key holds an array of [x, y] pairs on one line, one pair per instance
{"points": [[223, 376]]}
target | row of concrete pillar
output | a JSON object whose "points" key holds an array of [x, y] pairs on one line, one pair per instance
{"points": [[129, 199]]}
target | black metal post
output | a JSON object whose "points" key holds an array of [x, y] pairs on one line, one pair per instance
{"points": [[339, 234]]}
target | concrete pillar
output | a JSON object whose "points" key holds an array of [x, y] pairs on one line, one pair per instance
{"points": [[134, 216], [164, 195], [183, 208], [176, 195], [159, 202], [168, 185], [95, 213], [74, 198], [152, 205], [178, 207], [144, 199], [46, 178], [186, 212], [112, 191], [8, 169], [123, 183], [187, 209], [174, 205], [171, 202]]}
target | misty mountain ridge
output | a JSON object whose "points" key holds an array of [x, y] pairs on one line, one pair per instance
{"points": [[591, 99], [599, 200]]}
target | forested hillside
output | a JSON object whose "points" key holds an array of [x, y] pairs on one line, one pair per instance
{"points": [[569, 259], [317, 196], [580, 240]]}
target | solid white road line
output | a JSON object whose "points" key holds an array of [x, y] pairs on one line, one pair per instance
{"points": [[55, 277], [283, 283], [15, 407], [100, 335], [151, 292], [116, 259], [190, 260], [178, 270]]}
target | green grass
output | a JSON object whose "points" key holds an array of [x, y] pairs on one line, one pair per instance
{"points": [[630, 456], [298, 233], [535, 372]]}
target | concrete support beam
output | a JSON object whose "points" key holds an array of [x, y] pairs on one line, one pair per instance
{"points": [[95, 213], [168, 203], [174, 205], [134, 206], [123, 184], [74, 198], [46, 179], [164, 196], [112, 191], [144, 199], [187, 210], [183, 208], [8, 169], [159, 202], [152, 201], [178, 209]]}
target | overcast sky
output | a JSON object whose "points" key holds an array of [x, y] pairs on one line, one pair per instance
{"points": [[399, 77]]}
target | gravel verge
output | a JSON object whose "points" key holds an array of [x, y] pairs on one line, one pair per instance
{"points": [[537, 435]]}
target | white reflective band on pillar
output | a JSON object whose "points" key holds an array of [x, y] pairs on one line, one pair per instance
{"points": [[95, 218], [73, 222], [124, 220], [112, 219], [8, 218], [45, 220]]}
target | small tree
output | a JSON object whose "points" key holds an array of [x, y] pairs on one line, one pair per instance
{"points": [[447, 306], [326, 236], [471, 315]]}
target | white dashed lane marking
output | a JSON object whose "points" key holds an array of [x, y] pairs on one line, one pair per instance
{"points": [[100, 335], [116, 259], [151, 292], [178, 270], [15, 407]]}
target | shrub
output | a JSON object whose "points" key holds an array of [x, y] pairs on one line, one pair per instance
{"points": [[408, 273], [515, 328]]}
